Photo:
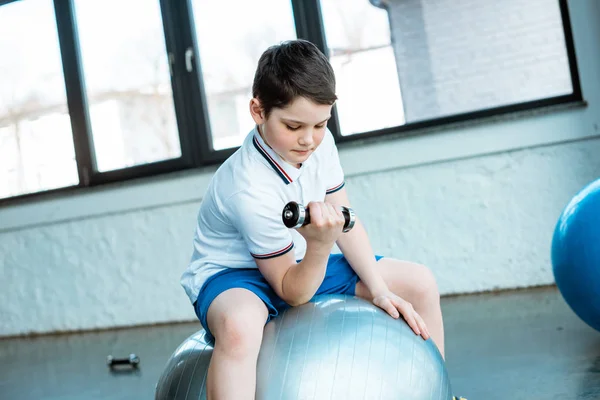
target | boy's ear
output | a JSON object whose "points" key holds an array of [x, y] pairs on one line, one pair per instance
{"points": [[257, 112]]}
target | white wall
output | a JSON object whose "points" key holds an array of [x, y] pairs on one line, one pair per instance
{"points": [[476, 203]]}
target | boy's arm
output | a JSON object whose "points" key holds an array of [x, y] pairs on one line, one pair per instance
{"points": [[297, 283], [269, 241], [356, 247], [359, 254]]}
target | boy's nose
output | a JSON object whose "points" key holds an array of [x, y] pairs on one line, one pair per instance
{"points": [[306, 139]]}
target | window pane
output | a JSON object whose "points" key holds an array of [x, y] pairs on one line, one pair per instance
{"points": [[362, 56], [488, 54], [36, 143], [229, 57], [128, 82]]}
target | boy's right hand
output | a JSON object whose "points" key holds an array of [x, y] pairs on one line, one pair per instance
{"points": [[326, 224]]}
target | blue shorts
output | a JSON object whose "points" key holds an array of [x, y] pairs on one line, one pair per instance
{"points": [[340, 278]]}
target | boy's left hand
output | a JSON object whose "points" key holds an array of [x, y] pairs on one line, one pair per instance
{"points": [[393, 305]]}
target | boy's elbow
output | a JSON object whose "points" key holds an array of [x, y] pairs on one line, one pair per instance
{"points": [[294, 299], [292, 291], [297, 301]]}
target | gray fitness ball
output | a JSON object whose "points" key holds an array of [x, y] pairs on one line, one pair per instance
{"points": [[335, 347]]}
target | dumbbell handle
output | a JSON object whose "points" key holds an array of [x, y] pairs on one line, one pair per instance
{"points": [[133, 360], [295, 215]]}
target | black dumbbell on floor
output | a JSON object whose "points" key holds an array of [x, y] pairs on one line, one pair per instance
{"points": [[132, 361], [296, 215]]}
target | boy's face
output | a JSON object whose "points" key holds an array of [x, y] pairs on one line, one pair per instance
{"points": [[293, 132]]}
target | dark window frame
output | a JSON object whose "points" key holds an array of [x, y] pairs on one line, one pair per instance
{"points": [[190, 101]]}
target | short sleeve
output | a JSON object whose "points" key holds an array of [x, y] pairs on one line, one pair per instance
{"points": [[332, 168], [257, 217]]}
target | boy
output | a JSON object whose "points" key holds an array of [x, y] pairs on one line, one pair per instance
{"points": [[244, 267]]}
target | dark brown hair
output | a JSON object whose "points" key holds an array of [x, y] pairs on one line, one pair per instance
{"points": [[295, 68]]}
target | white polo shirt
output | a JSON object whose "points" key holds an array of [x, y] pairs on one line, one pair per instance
{"points": [[240, 215]]}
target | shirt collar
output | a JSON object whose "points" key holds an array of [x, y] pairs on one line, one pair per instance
{"points": [[285, 171]]}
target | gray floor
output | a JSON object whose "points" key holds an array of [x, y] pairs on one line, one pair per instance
{"points": [[521, 345]]}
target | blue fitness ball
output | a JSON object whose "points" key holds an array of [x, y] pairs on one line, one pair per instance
{"points": [[576, 254]]}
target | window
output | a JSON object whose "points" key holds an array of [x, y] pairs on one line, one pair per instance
{"points": [[361, 53], [97, 91], [127, 80], [230, 44], [36, 146], [446, 57]]}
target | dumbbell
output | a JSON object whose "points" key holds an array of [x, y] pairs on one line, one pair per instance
{"points": [[132, 360], [296, 215]]}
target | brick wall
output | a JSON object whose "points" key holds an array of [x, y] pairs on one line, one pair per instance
{"points": [[456, 56]]}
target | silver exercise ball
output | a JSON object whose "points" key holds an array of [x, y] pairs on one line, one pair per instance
{"points": [[335, 347]]}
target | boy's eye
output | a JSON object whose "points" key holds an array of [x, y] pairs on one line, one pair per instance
{"points": [[293, 128], [320, 126]]}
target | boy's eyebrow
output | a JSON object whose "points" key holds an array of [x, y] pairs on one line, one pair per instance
{"points": [[302, 123]]}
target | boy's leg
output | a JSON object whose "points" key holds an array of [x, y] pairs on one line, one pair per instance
{"points": [[236, 318], [416, 284]]}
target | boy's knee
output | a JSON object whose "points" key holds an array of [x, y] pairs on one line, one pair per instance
{"points": [[427, 289], [239, 335]]}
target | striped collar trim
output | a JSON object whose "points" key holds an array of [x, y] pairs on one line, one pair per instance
{"points": [[285, 171]]}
